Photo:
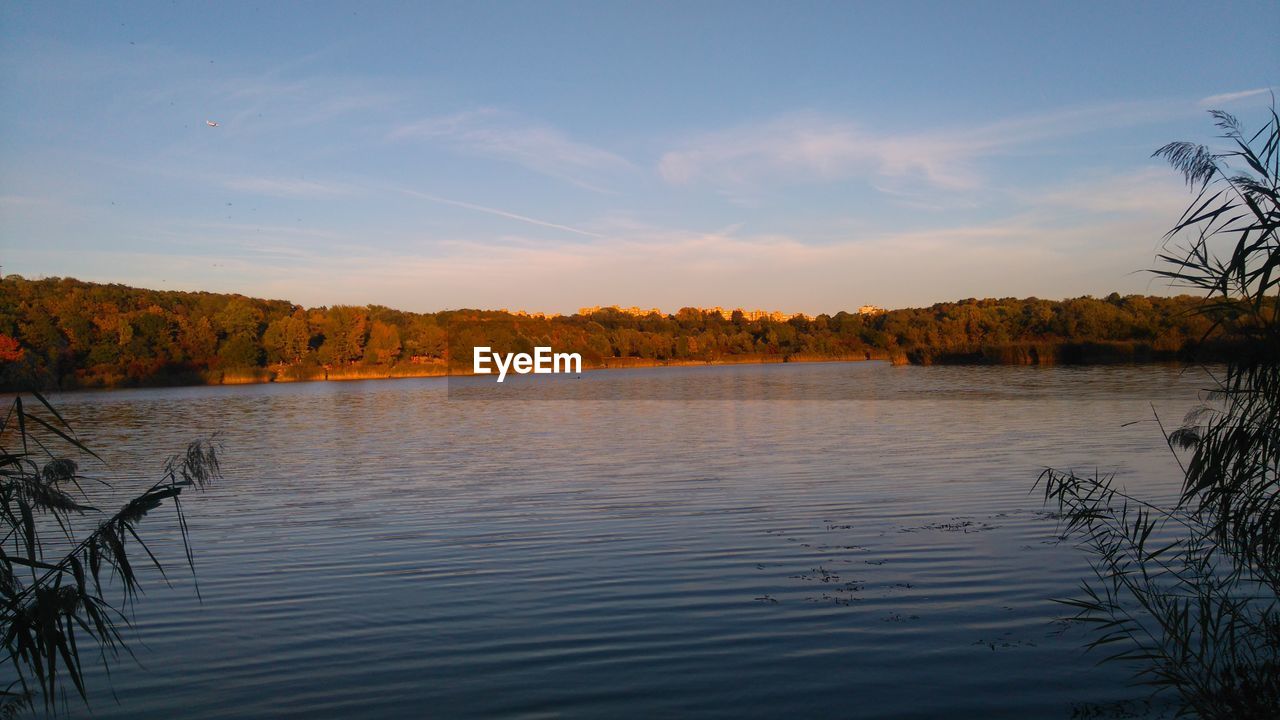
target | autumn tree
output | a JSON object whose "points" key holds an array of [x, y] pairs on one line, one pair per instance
{"points": [[384, 344], [287, 339], [239, 317], [10, 350], [240, 352], [425, 337], [198, 339], [345, 333]]}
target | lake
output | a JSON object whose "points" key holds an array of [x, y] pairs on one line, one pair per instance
{"points": [[859, 541]]}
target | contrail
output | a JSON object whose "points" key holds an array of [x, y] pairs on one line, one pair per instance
{"points": [[499, 213]]}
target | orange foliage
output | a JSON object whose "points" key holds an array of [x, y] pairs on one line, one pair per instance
{"points": [[10, 350]]}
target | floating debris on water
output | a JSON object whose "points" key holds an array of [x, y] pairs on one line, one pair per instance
{"points": [[956, 525]]}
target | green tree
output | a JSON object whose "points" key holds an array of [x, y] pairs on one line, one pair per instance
{"points": [[287, 339], [345, 333], [198, 339], [239, 317], [86, 333], [152, 338], [239, 352]]}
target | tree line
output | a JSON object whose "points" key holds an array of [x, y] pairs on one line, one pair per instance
{"points": [[62, 332]]}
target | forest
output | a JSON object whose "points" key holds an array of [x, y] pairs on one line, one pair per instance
{"points": [[66, 333]]}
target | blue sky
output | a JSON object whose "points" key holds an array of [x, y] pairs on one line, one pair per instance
{"points": [[797, 156]]}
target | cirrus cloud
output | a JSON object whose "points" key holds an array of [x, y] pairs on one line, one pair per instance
{"points": [[544, 149], [811, 148]]}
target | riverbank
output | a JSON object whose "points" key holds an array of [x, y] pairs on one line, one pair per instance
{"points": [[295, 373], [1031, 354]]}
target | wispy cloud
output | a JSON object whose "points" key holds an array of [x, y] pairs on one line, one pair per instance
{"points": [[1214, 101], [247, 104], [814, 148], [808, 147], [1081, 237], [1013, 257], [538, 147], [1154, 192]]}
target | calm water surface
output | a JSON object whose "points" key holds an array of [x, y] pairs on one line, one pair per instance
{"points": [[378, 549]]}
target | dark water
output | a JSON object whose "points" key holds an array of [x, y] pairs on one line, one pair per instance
{"points": [[379, 550]]}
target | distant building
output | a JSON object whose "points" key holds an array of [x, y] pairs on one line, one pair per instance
{"points": [[633, 310], [774, 315], [871, 310], [724, 313], [531, 315]]}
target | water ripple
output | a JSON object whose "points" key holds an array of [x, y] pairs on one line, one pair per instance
{"points": [[378, 550]]}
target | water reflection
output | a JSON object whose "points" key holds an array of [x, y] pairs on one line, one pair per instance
{"points": [[380, 549]]}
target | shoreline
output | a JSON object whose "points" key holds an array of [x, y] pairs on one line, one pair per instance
{"points": [[281, 374], [293, 374]]}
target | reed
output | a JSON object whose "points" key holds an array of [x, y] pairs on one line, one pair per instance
{"points": [[1190, 592], [55, 579]]}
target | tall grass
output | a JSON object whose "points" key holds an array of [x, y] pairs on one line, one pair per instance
{"points": [[1189, 592], [54, 580]]}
